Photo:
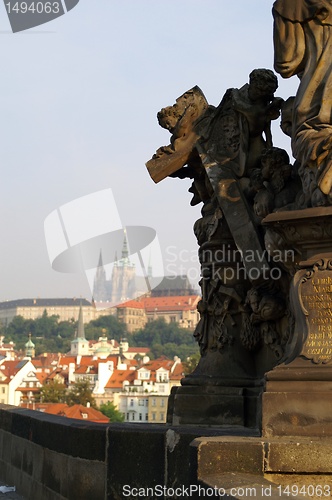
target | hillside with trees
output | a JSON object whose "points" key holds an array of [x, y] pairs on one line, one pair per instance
{"points": [[51, 335]]}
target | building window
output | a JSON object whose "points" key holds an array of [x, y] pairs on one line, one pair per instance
{"points": [[127, 417], [162, 402], [162, 388], [146, 417], [146, 402], [84, 415], [153, 416], [133, 416], [131, 402], [140, 416], [153, 402], [162, 416], [3, 390]]}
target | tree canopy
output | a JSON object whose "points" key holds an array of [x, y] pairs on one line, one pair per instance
{"points": [[53, 392], [111, 411], [51, 335], [167, 339], [80, 394]]}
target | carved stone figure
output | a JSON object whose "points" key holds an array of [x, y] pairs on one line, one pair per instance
{"points": [[228, 152], [279, 184], [303, 46], [179, 119], [240, 127]]}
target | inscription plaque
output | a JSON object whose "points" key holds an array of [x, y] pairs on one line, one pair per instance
{"points": [[316, 298]]}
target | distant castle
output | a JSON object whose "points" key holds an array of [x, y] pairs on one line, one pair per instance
{"points": [[123, 284]]}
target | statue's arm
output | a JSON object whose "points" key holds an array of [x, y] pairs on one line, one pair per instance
{"points": [[289, 46]]}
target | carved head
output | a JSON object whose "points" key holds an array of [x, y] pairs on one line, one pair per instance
{"points": [[262, 83], [179, 117], [275, 161]]}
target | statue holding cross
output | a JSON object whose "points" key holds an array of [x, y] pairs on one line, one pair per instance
{"points": [[244, 316]]}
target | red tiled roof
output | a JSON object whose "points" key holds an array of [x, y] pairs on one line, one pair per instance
{"points": [[78, 412], [176, 303], [118, 377], [66, 360], [41, 376], [46, 359], [28, 389], [178, 372], [54, 408], [133, 304], [10, 368], [87, 369], [138, 349]]}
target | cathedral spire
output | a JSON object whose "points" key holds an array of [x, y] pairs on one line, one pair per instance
{"points": [[79, 346], [99, 283], [125, 252], [100, 262]]}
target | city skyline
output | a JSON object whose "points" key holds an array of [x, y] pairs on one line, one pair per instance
{"points": [[79, 102]]}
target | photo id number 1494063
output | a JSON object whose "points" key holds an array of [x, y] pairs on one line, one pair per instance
{"points": [[309, 490], [33, 7]]}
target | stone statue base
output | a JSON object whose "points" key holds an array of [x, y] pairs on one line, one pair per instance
{"points": [[298, 394], [215, 406], [297, 400]]}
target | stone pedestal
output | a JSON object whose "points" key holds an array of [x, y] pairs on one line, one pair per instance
{"points": [[297, 400], [215, 406]]}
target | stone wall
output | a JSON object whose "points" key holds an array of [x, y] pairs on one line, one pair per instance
{"points": [[53, 458]]}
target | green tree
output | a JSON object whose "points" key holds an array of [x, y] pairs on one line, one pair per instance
{"points": [[80, 394], [66, 329], [45, 325], [54, 392], [17, 331], [109, 324], [167, 339], [191, 363], [111, 411]]}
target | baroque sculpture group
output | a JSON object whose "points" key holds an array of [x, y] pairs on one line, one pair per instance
{"points": [[247, 185]]}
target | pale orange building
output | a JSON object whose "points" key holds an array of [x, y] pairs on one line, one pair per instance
{"points": [[180, 309]]}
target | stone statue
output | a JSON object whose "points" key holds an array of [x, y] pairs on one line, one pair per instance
{"points": [[264, 236], [303, 47], [240, 128], [179, 119], [239, 177]]}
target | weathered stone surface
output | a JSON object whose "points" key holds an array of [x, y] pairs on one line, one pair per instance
{"points": [[261, 467], [215, 404], [297, 413], [219, 455], [313, 456]]}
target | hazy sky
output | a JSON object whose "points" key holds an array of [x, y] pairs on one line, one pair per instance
{"points": [[79, 98]]}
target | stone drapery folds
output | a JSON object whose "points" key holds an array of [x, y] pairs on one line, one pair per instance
{"points": [[303, 47]]}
